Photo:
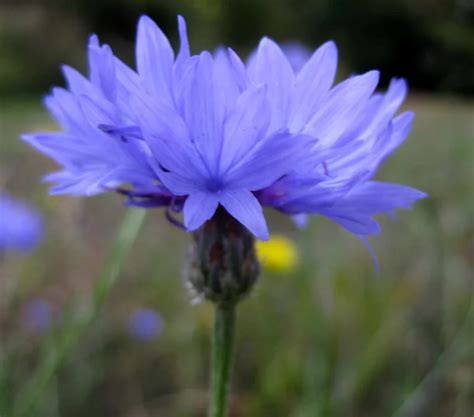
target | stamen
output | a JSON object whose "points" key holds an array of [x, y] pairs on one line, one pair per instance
{"points": [[326, 170], [173, 220]]}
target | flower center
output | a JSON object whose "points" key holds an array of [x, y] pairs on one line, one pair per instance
{"points": [[214, 185]]}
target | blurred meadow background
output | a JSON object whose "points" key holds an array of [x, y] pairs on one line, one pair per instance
{"points": [[323, 337]]}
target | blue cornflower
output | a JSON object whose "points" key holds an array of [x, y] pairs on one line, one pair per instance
{"points": [[21, 227], [38, 314], [197, 132], [145, 324]]}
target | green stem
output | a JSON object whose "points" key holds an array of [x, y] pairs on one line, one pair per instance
{"points": [[222, 350]]}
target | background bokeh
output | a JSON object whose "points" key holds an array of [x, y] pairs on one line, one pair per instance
{"points": [[329, 337], [430, 42]]}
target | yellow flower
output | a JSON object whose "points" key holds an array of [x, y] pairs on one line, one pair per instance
{"points": [[278, 254]]}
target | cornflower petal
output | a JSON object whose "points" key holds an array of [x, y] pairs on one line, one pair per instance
{"points": [[154, 59], [270, 66], [376, 197], [77, 83], [204, 112], [198, 208], [344, 105], [356, 223], [390, 103], [102, 68], [168, 137], [184, 52], [232, 75], [243, 205], [312, 85], [272, 158], [245, 127]]}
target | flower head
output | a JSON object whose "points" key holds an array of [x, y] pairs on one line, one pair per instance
{"points": [[145, 324], [21, 227], [198, 132], [38, 314]]}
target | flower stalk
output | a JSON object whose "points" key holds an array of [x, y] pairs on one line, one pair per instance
{"points": [[222, 355], [224, 269]]}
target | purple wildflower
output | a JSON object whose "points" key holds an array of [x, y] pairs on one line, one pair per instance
{"points": [[196, 132], [21, 227], [145, 324], [37, 314]]}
